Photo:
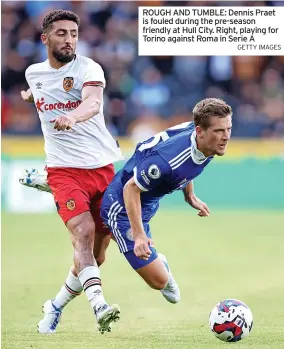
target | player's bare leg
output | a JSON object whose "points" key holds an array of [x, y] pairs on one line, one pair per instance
{"points": [[158, 276], [84, 275], [70, 290], [72, 286], [101, 243], [82, 232]]}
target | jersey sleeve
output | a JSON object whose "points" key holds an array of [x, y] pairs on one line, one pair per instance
{"points": [[151, 172], [94, 75], [27, 75]]}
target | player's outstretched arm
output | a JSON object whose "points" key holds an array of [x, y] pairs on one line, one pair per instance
{"points": [[91, 102], [27, 96], [131, 195], [193, 201]]}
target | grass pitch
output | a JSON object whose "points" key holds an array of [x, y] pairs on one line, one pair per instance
{"points": [[229, 255]]}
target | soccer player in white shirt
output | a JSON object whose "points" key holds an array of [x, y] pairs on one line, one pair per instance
{"points": [[67, 91]]}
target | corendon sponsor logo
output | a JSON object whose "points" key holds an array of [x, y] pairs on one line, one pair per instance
{"points": [[42, 106]]}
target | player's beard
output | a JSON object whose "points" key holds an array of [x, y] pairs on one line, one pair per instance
{"points": [[63, 58]]}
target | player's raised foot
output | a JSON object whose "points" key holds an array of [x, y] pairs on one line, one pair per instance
{"points": [[106, 315], [35, 179], [171, 291], [51, 318]]}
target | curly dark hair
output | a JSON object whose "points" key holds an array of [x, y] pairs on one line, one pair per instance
{"points": [[209, 107], [59, 15]]}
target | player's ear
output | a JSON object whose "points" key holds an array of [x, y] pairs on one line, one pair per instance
{"points": [[44, 38], [199, 132]]}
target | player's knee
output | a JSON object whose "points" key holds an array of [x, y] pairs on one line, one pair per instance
{"points": [[83, 236], [158, 283]]}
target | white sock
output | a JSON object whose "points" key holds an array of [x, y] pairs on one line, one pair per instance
{"points": [[164, 260], [91, 282], [71, 289]]}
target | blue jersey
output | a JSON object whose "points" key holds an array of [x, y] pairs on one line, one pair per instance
{"points": [[164, 163]]}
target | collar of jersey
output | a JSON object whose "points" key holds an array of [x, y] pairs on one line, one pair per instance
{"points": [[64, 67], [197, 156]]}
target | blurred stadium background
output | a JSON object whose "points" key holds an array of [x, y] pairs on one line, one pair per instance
{"points": [[144, 95]]}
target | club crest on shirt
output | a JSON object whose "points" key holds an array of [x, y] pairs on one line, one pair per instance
{"points": [[68, 83], [70, 204]]}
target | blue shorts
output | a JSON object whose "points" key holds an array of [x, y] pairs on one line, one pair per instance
{"points": [[115, 217], [138, 263]]}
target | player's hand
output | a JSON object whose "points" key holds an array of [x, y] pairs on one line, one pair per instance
{"points": [[64, 122], [141, 247], [196, 203], [27, 96]]}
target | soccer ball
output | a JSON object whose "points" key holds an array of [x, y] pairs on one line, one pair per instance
{"points": [[231, 320]]}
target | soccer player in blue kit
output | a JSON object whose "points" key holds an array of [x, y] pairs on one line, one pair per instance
{"points": [[167, 162]]}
